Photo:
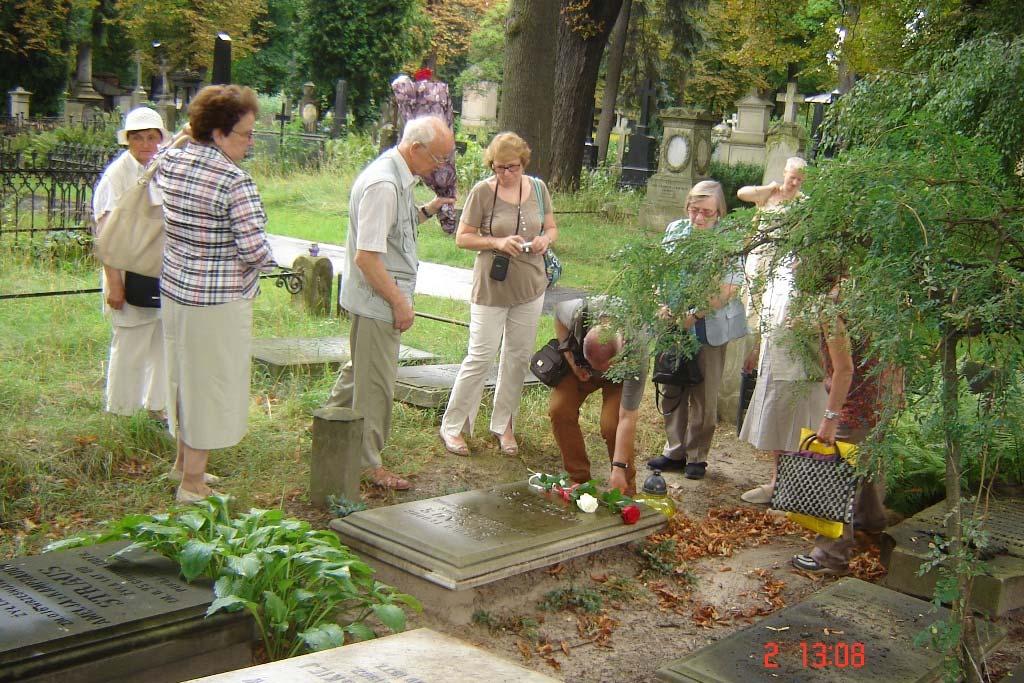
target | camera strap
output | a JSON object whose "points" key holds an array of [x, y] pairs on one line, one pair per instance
{"points": [[494, 206]]}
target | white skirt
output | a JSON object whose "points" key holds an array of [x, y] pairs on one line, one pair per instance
{"points": [[208, 366]]}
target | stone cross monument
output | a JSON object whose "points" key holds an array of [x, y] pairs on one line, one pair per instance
{"points": [[787, 138], [684, 160]]}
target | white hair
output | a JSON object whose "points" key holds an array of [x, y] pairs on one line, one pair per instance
{"points": [[422, 129], [794, 164]]}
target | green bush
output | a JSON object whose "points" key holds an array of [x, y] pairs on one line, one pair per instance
{"points": [[296, 582], [733, 177]]}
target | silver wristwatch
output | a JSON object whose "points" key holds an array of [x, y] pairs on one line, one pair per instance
{"points": [[830, 414]]}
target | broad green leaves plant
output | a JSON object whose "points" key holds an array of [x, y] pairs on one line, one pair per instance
{"points": [[296, 582]]}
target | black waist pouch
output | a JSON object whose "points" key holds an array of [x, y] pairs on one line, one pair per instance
{"points": [[141, 290]]}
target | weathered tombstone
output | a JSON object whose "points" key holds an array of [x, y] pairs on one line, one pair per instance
{"points": [[745, 144], [480, 105], [138, 95], [221, 60], [638, 162], [786, 139], [419, 656], [308, 109], [340, 107], [283, 354], [164, 104], [18, 103], [317, 281], [621, 131], [429, 386], [851, 630], [334, 465], [84, 102], [441, 549], [1000, 589], [685, 157], [77, 617]]}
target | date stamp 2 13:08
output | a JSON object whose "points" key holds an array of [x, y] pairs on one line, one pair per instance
{"points": [[814, 654]]}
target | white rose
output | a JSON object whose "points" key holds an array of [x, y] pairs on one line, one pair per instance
{"points": [[587, 503]]}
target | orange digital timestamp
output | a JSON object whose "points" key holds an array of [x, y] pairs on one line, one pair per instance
{"points": [[819, 655]]}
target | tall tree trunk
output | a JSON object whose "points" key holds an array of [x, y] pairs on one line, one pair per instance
{"points": [[844, 72], [531, 29], [582, 34], [613, 72]]}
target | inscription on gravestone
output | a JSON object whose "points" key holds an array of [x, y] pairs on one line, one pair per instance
{"points": [[77, 615], [468, 539]]}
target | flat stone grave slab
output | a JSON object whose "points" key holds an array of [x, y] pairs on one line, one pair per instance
{"points": [[851, 630], [1000, 590], [75, 616], [428, 386], [284, 354], [439, 549], [419, 656]]}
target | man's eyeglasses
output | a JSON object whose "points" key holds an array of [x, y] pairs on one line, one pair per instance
{"points": [[508, 168], [706, 213], [249, 135], [438, 161]]}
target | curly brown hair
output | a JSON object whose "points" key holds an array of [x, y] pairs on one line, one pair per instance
{"points": [[220, 107]]}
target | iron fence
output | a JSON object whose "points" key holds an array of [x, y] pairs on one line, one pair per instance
{"points": [[11, 126], [46, 193]]}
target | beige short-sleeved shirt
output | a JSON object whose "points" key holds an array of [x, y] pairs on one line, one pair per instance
{"points": [[526, 279]]}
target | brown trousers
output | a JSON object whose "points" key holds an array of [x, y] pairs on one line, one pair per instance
{"points": [[564, 410]]}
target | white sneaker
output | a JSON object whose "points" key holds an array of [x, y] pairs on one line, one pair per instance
{"points": [[761, 495], [175, 475]]}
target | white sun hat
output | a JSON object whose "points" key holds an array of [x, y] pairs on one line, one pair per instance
{"points": [[142, 118]]}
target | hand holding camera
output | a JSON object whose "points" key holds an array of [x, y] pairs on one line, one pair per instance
{"points": [[511, 245]]}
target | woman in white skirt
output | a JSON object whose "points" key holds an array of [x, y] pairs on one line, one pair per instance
{"points": [[135, 371], [216, 246], [508, 220]]}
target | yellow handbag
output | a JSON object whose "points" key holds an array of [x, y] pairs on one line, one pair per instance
{"points": [[848, 452]]}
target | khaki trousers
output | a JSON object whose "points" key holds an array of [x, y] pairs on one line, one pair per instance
{"points": [[564, 410], [691, 422], [367, 382]]}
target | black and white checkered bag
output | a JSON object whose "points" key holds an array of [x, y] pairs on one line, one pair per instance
{"points": [[815, 484]]}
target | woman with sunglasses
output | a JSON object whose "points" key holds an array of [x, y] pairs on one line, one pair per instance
{"points": [[509, 221], [691, 412]]}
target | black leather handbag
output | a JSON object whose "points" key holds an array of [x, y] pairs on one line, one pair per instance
{"points": [[549, 364]]}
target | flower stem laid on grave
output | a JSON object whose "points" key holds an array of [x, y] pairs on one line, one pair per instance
{"points": [[586, 496], [297, 583]]}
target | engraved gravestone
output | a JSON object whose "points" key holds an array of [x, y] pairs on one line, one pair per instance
{"points": [[851, 630], [77, 616], [419, 656], [428, 386], [282, 354], [469, 539]]}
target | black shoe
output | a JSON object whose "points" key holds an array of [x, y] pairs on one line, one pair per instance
{"points": [[695, 470], [666, 464]]}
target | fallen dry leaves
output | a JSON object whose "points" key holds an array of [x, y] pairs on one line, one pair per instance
{"points": [[867, 565], [722, 532]]}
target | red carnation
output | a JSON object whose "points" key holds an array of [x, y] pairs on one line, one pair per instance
{"points": [[630, 514]]}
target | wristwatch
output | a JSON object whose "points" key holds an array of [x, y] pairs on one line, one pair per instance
{"points": [[620, 464], [830, 414], [426, 214]]}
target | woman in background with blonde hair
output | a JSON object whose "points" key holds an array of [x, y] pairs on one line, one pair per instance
{"points": [[509, 221], [692, 411]]}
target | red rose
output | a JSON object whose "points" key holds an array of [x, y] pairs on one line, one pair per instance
{"points": [[630, 514]]}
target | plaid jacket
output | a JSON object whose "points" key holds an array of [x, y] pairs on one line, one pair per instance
{"points": [[216, 243]]}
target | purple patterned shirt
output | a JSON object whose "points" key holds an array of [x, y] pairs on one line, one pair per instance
{"points": [[216, 243]]}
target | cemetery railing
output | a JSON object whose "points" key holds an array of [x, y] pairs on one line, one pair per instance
{"points": [[50, 192], [11, 126]]}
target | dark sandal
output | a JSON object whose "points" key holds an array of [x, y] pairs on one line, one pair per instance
{"points": [[809, 564]]}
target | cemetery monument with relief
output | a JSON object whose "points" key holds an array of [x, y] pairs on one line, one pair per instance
{"points": [[684, 161]]}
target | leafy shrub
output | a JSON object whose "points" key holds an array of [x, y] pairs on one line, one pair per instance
{"points": [[296, 582], [572, 598], [733, 177]]}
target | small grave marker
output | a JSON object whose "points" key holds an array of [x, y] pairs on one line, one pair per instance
{"points": [[282, 354], [428, 386], [420, 656]]}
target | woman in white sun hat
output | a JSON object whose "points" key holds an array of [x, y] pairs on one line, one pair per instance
{"points": [[135, 371]]}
